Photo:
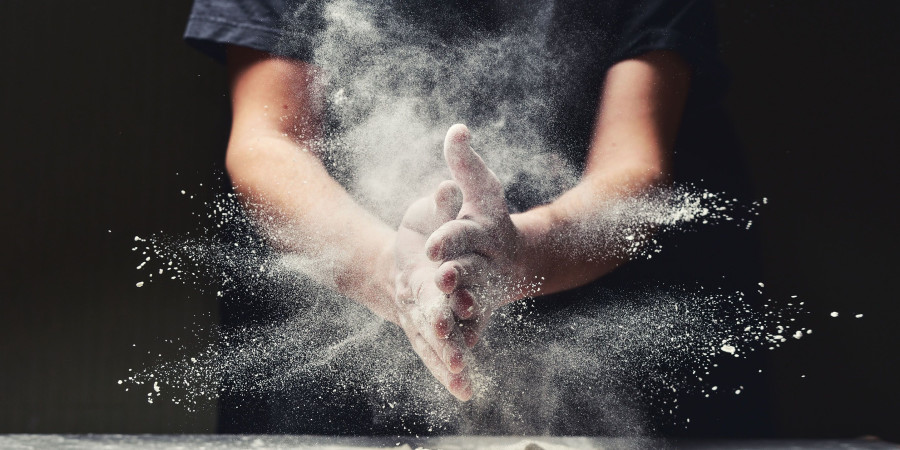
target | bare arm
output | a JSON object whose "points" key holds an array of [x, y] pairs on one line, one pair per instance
{"points": [[636, 127], [305, 212], [638, 119], [276, 114]]}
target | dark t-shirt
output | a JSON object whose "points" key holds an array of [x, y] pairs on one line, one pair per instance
{"points": [[635, 27], [599, 34]]}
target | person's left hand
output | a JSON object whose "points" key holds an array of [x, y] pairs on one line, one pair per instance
{"points": [[421, 309]]}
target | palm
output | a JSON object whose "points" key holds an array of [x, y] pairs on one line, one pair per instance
{"points": [[421, 308]]}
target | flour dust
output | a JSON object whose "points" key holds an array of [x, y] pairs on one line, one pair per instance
{"points": [[392, 88], [593, 367]]}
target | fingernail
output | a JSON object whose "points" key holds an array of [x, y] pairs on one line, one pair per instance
{"points": [[449, 279], [467, 393], [441, 329], [457, 362], [454, 360], [471, 339], [465, 303], [434, 251], [462, 386]]}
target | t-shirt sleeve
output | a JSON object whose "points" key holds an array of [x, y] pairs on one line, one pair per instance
{"points": [[249, 23], [684, 26]]}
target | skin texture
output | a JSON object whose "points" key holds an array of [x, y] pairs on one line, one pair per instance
{"points": [[458, 254]]}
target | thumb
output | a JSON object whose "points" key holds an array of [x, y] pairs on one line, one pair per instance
{"points": [[481, 189]]}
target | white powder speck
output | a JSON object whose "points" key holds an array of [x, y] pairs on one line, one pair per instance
{"points": [[737, 392], [834, 314], [859, 316], [761, 284], [728, 349], [714, 388], [156, 386], [139, 284], [798, 334], [182, 192]]}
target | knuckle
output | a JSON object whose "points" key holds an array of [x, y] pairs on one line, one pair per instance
{"points": [[459, 267]]}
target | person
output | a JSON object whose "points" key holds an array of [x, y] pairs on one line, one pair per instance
{"points": [[645, 110]]}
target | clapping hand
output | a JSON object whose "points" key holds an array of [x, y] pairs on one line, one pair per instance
{"points": [[456, 260]]}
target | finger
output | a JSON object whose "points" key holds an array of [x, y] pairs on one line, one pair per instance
{"points": [[458, 384], [428, 213], [481, 189], [463, 304], [419, 217], [456, 238], [447, 202], [472, 329], [449, 346], [431, 305], [464, 271], [434, 320], [470, 303]]}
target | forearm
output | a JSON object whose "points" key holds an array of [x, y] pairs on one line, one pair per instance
{"points": [[305, 213], [572, 241], [299, 207]]}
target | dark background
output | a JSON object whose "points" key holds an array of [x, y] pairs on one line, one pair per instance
{"points": [[106, 115]]}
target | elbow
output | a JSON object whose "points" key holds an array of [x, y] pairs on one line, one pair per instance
{"points": [[237, 163], [646, 170], [249, 161], [647, 174], [259, 163]]}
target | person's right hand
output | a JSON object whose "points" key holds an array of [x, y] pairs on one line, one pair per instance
{"points": [[479, 252], [421, 309]]}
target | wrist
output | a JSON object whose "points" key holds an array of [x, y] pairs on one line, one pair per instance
{"points": [[383, 280], [531, 265], [380, 281], [368, 276]]}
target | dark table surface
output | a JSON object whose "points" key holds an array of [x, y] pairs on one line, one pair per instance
{"points": [[191, 442]]}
